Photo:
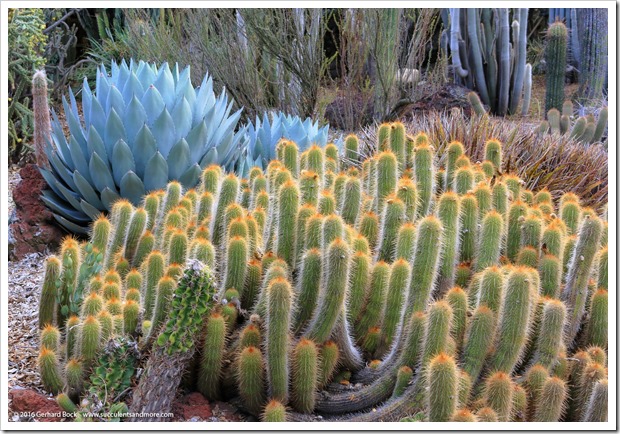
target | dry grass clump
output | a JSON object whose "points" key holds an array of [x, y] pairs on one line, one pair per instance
{"points": [[556, 162]]}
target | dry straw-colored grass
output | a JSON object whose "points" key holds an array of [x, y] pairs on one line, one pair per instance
{"points": [[552, 161]]}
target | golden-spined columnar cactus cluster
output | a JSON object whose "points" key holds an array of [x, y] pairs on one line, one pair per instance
{"points": [[387, 289]]}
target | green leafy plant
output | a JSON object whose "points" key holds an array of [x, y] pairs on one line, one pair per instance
{"points": [[26, 48]]}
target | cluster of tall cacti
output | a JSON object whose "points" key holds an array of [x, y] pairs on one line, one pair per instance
{"points": [[487, 59], [587, 35], [586, 129], [394, 288]]}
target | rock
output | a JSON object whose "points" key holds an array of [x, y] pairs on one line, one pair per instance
{"points": [[447, 97], [193, 406], [34, 405], [32, 228]]}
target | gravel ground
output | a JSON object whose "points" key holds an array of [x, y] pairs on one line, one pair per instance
{"points": [[25, 281], [24, 286]]}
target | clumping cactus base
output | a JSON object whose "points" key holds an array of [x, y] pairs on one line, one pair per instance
{"points": [[333, 289]]}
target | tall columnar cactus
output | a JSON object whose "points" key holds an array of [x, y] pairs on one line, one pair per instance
{"points": [[333, 295], [251, 377], [212, 357], [486, 58], [478, 341], [580, 267], [305, 375], [424, 169], [498, 394], [513, 321], [598, 403], [555, 56], [279, 299], [442, 388], [41, 113], [592, 30], [449, 212]]}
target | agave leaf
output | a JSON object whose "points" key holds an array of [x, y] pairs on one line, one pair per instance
{"points": [[87, 97], [132, 89], [65, 174], [90, 210], [197, 140], [86, 190], [144, 148], [72, 198], [259, 149], [78, 158], [103, 87], [227, 125], [108, 197], [211, 125], [226, 147], [145, 75], [73, 102], [114, 131], [190, 178], [132, 188], [209, 158], [182, 119], [58, 204], [74, 125], [153, 104], [157, 171], [97, 116], [114, 68], [59, 139], [178, 159], [184, 89], [175, 74], [122, 76], [115, 101], [100, 173], [122, 161], [135, 118], [50, 179], [204, 99], [95, 144], [70, 226], [164, 133], [165, 84]]}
